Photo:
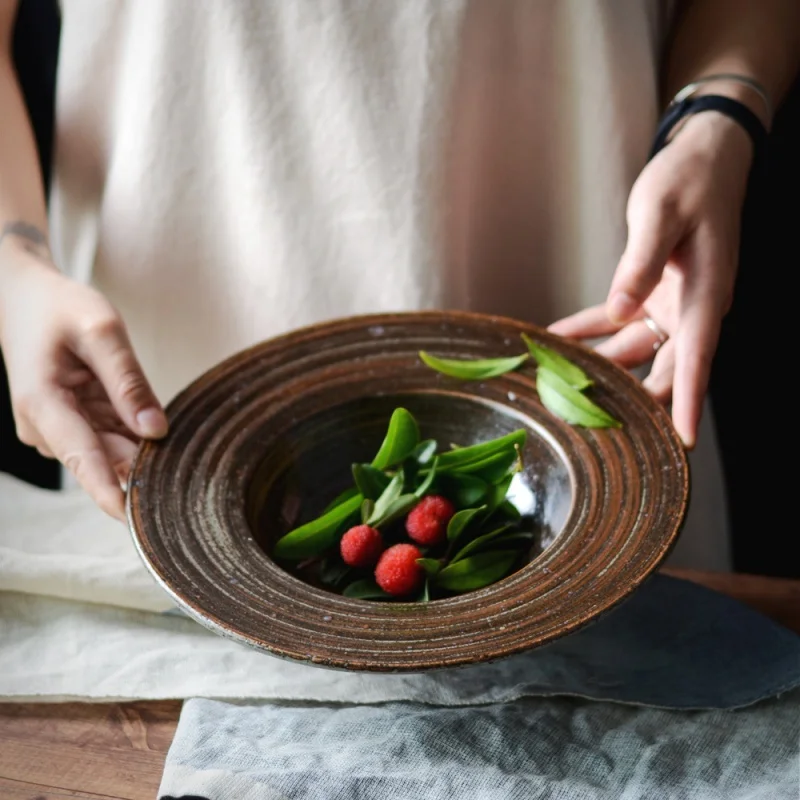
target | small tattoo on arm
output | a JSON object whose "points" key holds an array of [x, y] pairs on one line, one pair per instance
{"points": [[33, 240]]}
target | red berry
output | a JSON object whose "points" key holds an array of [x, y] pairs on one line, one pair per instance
{"points": [[427, 522], [397, 572], [361, 546]]}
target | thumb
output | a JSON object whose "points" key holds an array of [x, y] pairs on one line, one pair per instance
{"points": [[654, 231]]}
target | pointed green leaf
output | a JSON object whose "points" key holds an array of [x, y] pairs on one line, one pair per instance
{"points": [[515, 539], [367, 507], [461, 457], [371, 482], [479, 542], [347, 494], [473, 369], [392, 503], [398, 508], [460, 520], [476, 571], [318, 535], [555, 362], [365, 589], [465, 491], [425, 595], [424, 452], [392, 491], [333, 571], [508, 509], [430, 565], [428, 480], [493, 468], [496, 495], [402, 437], [569, 404]]}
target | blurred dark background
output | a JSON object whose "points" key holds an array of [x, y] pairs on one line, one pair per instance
{"points": [[750, 389]]}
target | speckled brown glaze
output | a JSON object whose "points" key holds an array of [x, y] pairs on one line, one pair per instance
{"points": [[271, 432]]}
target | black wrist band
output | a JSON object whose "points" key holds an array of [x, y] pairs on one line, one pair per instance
{"points": [[711, 102]]}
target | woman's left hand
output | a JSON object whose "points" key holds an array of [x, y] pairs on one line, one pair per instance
{"points": [[679, 266]]}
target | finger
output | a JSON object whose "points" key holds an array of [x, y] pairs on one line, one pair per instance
{"points": [[659, 380], [120, 451], [73, 442], [633, 346], [26, 432], [104, 418], [108, 351], [704, 304], [654, 231], [585, 324]]}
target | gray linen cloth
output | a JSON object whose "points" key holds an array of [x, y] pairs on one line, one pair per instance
{"points": [[678, 693]]}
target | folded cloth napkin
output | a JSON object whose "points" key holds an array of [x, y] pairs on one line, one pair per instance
{"points": [[544, 748]]}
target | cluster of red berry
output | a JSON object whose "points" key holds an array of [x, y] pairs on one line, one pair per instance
{"points": [[397, 571]]}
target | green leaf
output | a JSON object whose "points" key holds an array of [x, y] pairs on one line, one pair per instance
{"points": [[430, 565], [392, 503], [367, 507], [424, 452], [496, 495], [476, 571], [346, 495], [464, 456], [392, 491], [318, 535], [365, 589], [479, 542], [465, 491], [397, 508], [460, 520], [428, 480], [371, 482], [473, 369], [555, 362], [333, 571], [492, 468], [508, 509], [425, 595], [517, 538], [569, 404], [402, 437]]}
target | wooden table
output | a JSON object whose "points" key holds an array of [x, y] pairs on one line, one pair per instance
{"points": [[116, 751]]}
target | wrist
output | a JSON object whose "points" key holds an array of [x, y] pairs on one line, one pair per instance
{"points": [[754, 99], [718, 135], [19, 265], [19, 236], [24, 246]]}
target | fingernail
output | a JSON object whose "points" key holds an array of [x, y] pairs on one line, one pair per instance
{"points": [[152, 423], [621, 307]]}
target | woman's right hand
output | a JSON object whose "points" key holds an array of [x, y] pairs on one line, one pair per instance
{"points": [[77, 389]]}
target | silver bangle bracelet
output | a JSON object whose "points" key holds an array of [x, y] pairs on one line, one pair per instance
{"points": [[691, 88]]}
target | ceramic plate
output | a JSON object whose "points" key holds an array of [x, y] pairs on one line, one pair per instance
{"points": [[272, 432]]}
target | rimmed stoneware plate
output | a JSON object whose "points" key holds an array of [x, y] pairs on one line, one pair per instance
{"points": [[280, 424]]}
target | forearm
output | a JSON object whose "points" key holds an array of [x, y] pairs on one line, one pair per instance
{"points": [[23, 209], [756, 38]]}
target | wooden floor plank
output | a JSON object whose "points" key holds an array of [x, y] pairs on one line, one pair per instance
{"points": [[114, 749], [22, 790], [137, 726]]}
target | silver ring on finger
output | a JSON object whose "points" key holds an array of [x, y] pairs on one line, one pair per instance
{"points": [[660, 334]]}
